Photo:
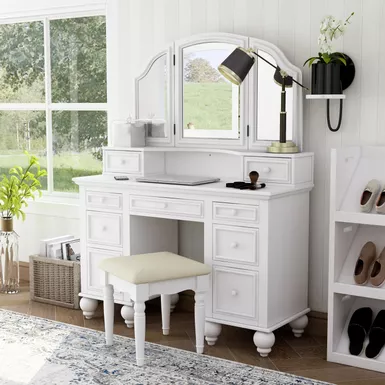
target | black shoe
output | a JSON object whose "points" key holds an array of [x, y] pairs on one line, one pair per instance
{"points": [[376, 336], [359, 326]]}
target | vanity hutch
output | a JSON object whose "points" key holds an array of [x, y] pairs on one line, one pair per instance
{"points": [[198, 124]]}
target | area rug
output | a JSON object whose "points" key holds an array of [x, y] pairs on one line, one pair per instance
{"points": [[35, 351]]}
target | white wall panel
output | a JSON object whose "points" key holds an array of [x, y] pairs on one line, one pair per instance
{"points": [[371, 21], [293, 25]]}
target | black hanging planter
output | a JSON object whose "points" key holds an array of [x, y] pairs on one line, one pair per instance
{"points": [[332, 79], [332, 83], [317, 78]]}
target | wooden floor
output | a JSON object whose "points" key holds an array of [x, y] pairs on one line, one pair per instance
{"points": [[302, 356]]}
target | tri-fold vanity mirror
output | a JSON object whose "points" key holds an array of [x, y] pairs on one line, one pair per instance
{"points": [[186, 102]]}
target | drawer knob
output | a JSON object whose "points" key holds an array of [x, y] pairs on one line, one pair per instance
{"points": [[102, 200], [266, 170], [234, 245], [234, 293], [104, 228], [123, 161], [233, 212], [163, 205]]}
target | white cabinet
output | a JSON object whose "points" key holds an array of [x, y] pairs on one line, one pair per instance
{"points": [[351, 169], [248, 239]]}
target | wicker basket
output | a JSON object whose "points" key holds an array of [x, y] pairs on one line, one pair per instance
{"points": [[54, 281]]}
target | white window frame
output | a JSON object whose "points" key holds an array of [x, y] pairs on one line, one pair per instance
{"points": [[48, 106]]}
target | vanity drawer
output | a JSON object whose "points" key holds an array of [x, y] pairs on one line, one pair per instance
{"points": [[187, 208], [235, 244], [227, 212], [104, 229], [122, 162], [93, 273], [235, 293], [102, 200], [270, 170]]}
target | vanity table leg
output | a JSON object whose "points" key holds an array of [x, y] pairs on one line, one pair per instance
{"points": [[212, 332], [174, 301], [264, 342], [298, 326], [88, 306], [127, 312]]}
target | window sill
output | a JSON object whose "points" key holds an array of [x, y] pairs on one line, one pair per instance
{"points": [[63, 206]]}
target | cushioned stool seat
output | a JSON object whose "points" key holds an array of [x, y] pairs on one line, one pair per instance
{"points": [[154, 267], [145, 275]]}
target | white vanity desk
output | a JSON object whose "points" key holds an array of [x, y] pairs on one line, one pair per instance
{"points": [[198, 124], [255, 241]]}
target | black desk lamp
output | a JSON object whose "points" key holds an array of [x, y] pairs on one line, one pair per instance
{"points": [[235, 68]]}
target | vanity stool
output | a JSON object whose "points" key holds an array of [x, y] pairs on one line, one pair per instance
{"points": [[145, 275]]}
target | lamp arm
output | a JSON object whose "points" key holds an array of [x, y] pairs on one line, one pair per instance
{"points": [[275, 67]]}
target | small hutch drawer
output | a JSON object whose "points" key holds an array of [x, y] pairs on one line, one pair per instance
{"points": [[167, 206], [270, 170], [122, 162], [235, 292], [230, 212], [104, 229], [235, 244], [104, 201]]}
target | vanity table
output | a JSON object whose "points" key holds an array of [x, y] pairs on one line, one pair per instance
{"points": [[255, 240]]}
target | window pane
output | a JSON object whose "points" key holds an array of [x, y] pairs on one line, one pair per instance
{"points": [[78, 51], [22, 62], [20, 131], [211, 106], [77, 140]]}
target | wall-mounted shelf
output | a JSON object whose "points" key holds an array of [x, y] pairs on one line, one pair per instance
{"points": [[326, 96]]}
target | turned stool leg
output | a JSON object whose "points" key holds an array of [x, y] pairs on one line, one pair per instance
{"points": [[200, 321], [166, 304], [140, 331], [108, 305]]}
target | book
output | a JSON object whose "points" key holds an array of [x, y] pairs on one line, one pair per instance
{"points": [[51, 247]]}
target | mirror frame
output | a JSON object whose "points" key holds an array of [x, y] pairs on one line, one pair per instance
{"points": [[249, 92], [169, 125], [292, 70], [181, 141]]}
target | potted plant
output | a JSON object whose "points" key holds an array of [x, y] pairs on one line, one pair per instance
{"points": [[325, 67], [16, 189]]}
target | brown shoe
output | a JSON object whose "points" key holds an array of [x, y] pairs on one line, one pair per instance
{"points": [[377, 276], [364, 262]]}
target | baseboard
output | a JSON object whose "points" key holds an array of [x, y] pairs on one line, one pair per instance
{"points": [[24, 271]]}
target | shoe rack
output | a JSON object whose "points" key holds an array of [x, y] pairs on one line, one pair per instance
{"points": [[350, 229]]}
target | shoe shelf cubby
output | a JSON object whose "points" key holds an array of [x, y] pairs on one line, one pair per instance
{"points": [[351, 169], [338, 341]]}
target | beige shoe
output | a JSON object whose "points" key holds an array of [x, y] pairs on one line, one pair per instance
{"points": [[377, 276], [380, 203], [369, 195], [364, 262]]}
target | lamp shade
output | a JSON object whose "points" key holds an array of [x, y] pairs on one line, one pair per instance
{"points": [[237, 65], [279, 79]]}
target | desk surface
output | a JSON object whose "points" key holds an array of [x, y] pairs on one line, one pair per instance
{"points": [[218, 188]]}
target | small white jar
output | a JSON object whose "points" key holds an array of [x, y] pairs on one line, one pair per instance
{"points": [[128, 134]]}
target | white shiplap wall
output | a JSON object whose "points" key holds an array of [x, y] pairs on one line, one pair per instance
{"points": [[145, 26]]}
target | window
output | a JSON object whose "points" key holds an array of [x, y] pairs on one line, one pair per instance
{"points": [[53, 96]]}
